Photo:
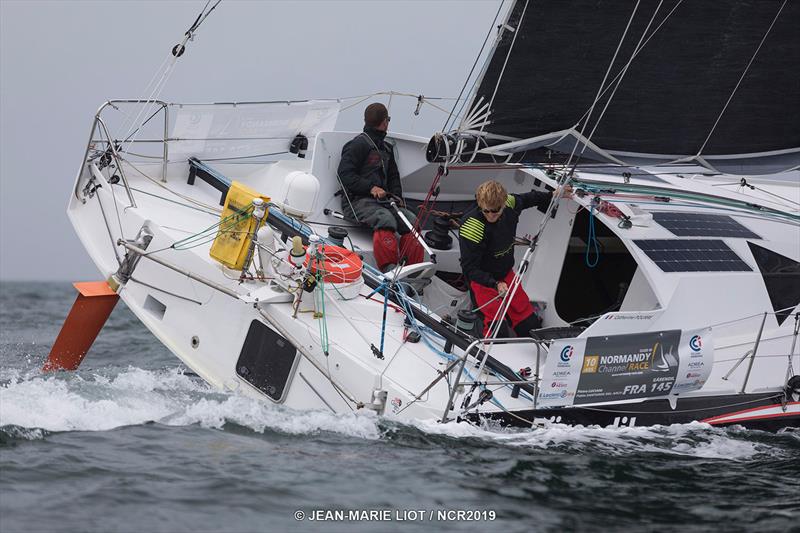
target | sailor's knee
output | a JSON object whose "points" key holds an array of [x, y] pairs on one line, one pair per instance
{"points": [[409, 215], [384, 219]]}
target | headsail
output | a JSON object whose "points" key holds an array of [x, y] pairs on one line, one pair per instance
{"points": [[712, 83]]}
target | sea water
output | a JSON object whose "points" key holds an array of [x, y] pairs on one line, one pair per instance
{"points": [[134, 442]]}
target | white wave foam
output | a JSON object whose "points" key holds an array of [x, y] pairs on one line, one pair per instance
{"points": [[136, 396], [259, 416], [694, 439], [57, 404], [69, 402]]}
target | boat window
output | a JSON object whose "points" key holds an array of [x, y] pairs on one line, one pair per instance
{"points": [[781, 278], [267, 361], [585, 291]]}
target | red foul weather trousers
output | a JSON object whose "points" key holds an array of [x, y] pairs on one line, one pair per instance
{"points": [[384, 245], [519, 310]]}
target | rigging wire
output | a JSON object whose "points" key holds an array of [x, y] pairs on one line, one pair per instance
{"points": [[741, 78], [209, 208], [177, 52], [471, 70], [530, 253], [603, 83], [505, 62], [635, 53], [622, 75], [130, 120]]}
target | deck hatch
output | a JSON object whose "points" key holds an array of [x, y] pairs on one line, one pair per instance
{"points": [[702, 225], [267, 361], [692, 255]]}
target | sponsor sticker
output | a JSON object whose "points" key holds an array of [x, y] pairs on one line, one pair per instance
{"points": [[696, 343], [566, 353], [397, 403]]}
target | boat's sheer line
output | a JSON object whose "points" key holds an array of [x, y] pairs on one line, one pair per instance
{"points": [[741, 78], [748, 402]]}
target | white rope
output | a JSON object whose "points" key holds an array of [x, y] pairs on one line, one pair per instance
{"points": [[725, 107]]}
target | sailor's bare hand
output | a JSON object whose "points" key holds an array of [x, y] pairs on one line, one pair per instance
{"points": [[566, 191], [377, 192], [502, 288]]}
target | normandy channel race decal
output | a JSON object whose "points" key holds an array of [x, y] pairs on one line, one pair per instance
{"points": [[611, 368]]}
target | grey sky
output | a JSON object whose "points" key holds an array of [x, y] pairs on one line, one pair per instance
{"points": [[59, 60]]}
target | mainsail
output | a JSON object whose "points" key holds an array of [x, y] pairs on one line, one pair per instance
{"points": [[645, 82]]}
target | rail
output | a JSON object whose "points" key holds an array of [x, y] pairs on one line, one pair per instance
{"points": [[112, 145], [478, 342]]}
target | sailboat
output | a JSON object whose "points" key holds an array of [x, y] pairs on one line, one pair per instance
{"points": [[667, 286]]}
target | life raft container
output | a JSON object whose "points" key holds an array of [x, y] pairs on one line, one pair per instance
{"points": [[339, 265]]}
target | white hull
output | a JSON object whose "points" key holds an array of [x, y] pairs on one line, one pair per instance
{"points": [[206, 329]]}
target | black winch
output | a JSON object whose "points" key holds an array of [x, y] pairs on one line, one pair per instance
{"points": [[439, 237]]}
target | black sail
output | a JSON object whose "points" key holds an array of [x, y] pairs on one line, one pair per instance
{"points": [[669, 104]]}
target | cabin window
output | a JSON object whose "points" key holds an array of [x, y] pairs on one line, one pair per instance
{"points": [[781, 278], [585, 291]]}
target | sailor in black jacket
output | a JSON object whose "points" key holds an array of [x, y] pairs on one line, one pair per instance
{"points": [[486, 240], [368, 173]]}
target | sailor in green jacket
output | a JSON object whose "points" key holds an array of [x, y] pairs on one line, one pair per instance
{"points": [[486, 240]]}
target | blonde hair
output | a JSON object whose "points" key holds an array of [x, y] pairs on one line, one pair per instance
{"points": [[491, 194]]}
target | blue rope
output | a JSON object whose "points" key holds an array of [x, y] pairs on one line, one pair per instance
{"points": [[592, 244], [425, 333], [385, 307]]}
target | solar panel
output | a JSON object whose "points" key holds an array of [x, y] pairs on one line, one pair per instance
{"points": [[702, 225], [695, 255]]}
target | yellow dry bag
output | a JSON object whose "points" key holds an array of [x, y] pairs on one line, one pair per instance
{"points": [[236, 227]]}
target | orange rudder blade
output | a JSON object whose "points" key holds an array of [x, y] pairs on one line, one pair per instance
{"points": [[89, 313]]}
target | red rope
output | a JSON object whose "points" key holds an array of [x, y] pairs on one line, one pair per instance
{"points": [[424, 209]]}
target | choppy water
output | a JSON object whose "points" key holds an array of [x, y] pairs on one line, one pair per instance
{"points": [[131, 443]]}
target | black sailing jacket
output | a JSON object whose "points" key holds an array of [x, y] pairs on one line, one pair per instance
{"points": [[368, 161], [487, 250]]}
